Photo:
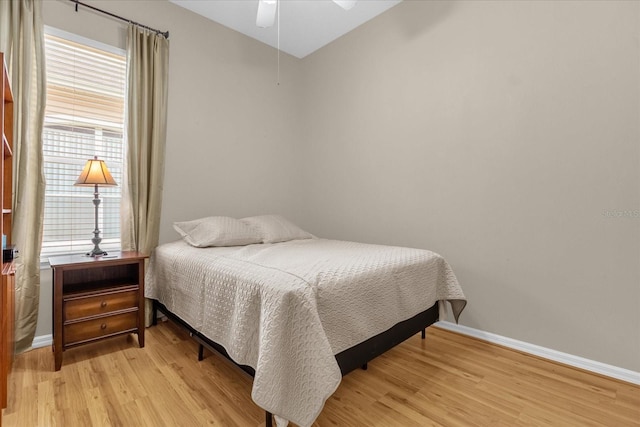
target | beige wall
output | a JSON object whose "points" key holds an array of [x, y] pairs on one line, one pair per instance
{"points": [[497, 134]]}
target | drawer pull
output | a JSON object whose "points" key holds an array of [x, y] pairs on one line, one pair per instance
{"points": [[103, 304], [103, 326]]}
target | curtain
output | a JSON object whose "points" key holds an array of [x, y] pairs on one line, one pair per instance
{"points": [[22, 40], [147, 79]]}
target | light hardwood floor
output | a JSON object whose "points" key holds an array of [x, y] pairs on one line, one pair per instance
{"points": [[447, 379]]}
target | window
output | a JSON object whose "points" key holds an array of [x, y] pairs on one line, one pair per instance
{"points": [[84, 117]]}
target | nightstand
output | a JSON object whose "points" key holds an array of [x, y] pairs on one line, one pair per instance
{"points": [[96, 298]]}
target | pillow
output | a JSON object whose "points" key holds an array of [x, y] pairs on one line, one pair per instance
{"points": [[217, 231], [275, 228]]}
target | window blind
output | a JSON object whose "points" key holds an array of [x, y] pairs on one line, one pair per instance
{"points": [[84, 117]]}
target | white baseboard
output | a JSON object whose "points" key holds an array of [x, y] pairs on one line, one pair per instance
{"points": [[546, 353], [42, 341]]}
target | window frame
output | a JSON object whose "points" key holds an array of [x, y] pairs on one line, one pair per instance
{"points": [[75, 38]]}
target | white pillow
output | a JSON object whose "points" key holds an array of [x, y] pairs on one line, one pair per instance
{"points": [[217, 231], [275, 228]]}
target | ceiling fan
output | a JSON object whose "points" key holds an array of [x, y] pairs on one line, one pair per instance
{"points": [[267, 10]]}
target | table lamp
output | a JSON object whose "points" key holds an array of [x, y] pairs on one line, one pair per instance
{"points": [[95, 173]]}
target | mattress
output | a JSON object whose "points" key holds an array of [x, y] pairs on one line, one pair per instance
{"points": [[286, 309]]}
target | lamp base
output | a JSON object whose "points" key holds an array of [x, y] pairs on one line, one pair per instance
{"points": [[96, 253]]}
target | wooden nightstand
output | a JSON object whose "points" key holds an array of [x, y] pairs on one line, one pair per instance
{"points": [[96, 298]]}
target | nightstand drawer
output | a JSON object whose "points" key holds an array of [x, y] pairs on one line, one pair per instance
{"points": [[100, 327], [79, 306]]}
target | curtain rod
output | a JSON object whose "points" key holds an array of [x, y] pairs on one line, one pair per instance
{"points": [[113, 15]]}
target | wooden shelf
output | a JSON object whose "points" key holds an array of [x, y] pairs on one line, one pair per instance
{"points": [[8, 95], [8, 268], [7, 282], [7, 148]]}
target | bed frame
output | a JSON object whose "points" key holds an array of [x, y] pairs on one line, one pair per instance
{"points": [[348, 360]]}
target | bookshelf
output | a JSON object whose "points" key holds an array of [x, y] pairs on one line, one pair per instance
{"points": [[7, 293]]}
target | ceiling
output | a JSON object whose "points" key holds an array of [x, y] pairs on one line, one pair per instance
{"points": [[305, 25]]}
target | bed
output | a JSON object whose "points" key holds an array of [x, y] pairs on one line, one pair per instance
{"points": [[302, 312]]}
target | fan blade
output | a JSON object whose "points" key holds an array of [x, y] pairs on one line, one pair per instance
{"points": [[266, 13], [345, 4]]}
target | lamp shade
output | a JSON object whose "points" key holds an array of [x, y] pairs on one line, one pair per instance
{"points": [[95, 172]]}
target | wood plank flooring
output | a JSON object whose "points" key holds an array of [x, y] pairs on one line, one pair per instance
{"points": [[445, 380]]}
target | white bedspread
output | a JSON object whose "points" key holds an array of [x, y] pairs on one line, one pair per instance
{"points": [[286, 309]]}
